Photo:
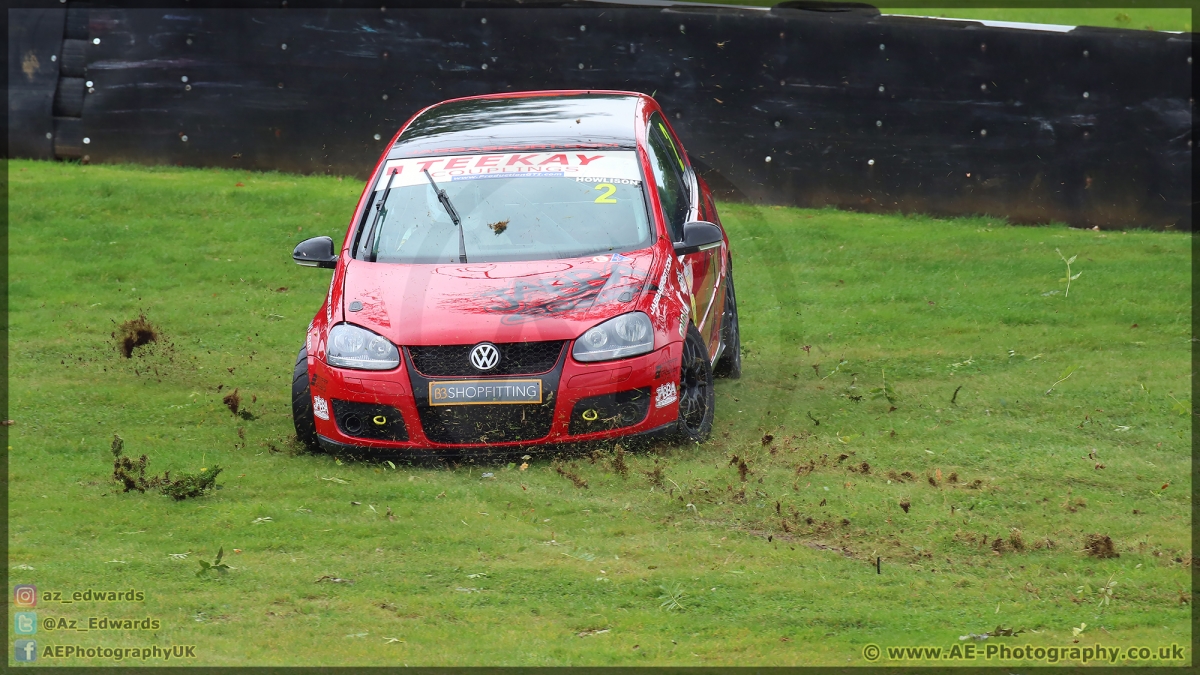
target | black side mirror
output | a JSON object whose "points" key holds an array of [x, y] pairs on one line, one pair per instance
{"points": [[699, 235], [315, 252]]}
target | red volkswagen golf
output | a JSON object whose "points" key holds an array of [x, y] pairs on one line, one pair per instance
{"points": [[539, 268]]}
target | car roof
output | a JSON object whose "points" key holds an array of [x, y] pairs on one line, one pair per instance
{"points": [[529, 120]]}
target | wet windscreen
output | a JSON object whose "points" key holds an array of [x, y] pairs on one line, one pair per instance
{"points": [[515, 206]]}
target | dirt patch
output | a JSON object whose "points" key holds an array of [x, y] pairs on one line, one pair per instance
{"points": [[905, 504], [1100, 546], [135, 333]]}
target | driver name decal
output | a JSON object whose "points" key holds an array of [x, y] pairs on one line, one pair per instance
{"points": [[592, 166]]}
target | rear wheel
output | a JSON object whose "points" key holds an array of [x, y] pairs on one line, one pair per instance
{"points": [[730, 365], [302, 405], [697, 399]]}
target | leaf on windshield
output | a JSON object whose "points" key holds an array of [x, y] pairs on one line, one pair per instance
{"points": [[499, 226]]}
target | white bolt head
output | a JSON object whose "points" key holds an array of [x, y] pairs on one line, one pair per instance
{"points": [[1189, 59], [189, 41], [377, 136], [983, 87], [95, 41], [49, 135], [90, 83], [881, 47], [581, 66], [1085, 53], [870, 162], [1086, 95], [983, 132], [385, 97], [881, 88], [582, 28], [777, 124], [878, 123], [767, 159], [483, 20], [681, 28], [484, 66], [678, 115], [183, 79], [91, 90], [677, 73], [187, 87], [183, 138], [283, 46], [86, 140], [54, 57]]}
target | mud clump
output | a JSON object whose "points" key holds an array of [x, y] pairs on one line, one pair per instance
{"points": [[742, 469], [571, 476], [135, 333], [904, 504], [618, 463], [1100, 546], [233, 401]]}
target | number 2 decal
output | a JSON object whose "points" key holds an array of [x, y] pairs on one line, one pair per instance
{"points": [[606, 197]]}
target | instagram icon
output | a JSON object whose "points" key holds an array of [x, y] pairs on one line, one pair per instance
{"points": [[25, 595]]}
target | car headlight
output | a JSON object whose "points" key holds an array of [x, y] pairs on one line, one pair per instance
{"points": [[352, 347], [626, 335]]}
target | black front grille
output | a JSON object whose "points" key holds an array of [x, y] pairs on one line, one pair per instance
{"points": [[369, 420], [610, 411], [457, 424], [516, 358]]}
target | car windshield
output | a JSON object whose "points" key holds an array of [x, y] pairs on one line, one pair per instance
{"points": [[514, 206]]}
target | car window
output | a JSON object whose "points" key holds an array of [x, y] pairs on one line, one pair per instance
{"points": [[512, 206], [665, 164]]}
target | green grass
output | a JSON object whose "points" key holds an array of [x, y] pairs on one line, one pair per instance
{"points": [[702, 569], [1139, 18]]}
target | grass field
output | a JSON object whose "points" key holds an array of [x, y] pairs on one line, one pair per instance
{"points": [[1137, 18], [1021, 420]]}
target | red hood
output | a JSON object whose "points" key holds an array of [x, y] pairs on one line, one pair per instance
{"points": [[500, 302]]}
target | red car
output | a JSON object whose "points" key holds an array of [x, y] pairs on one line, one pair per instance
{"points": [[524, 269]]}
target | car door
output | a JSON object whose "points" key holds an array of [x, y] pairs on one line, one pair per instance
{"points": [[681, 204]]}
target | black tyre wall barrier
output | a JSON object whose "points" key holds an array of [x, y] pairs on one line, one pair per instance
{"points": [[785, 106]]}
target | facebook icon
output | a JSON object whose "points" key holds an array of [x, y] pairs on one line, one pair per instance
{"points": [[25, 650]]}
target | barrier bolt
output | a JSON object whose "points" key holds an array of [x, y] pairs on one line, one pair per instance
{"points": [[767, 159], [86, 140], [983, 132], [95, 41], [483, 20], [182, 79], [582, 28], [870, 162], [881, 88], [878, 123]]}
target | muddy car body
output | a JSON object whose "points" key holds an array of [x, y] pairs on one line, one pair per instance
{"points": [[526, 269]]}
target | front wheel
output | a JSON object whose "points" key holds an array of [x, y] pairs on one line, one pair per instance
{"points": [[302, 404], [697, 398]]}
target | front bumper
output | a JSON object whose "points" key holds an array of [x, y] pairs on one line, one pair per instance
{"points": [[581, 402]]}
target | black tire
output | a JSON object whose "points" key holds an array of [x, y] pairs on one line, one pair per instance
{"points": [[730, 365], [697, 397], [302, 407]]}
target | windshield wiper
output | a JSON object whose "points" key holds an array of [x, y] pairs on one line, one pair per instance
{"points": [[379, 211], [441, 195]]}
